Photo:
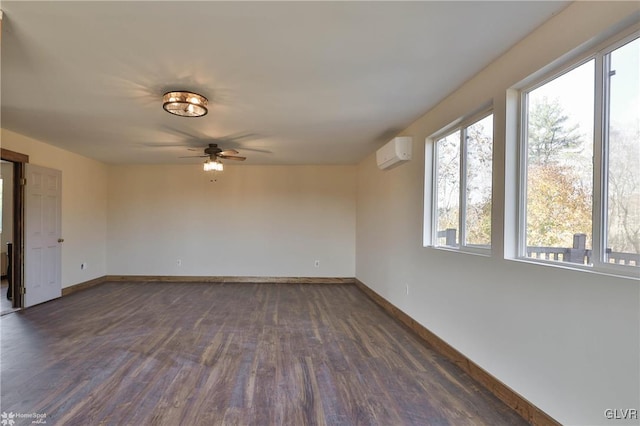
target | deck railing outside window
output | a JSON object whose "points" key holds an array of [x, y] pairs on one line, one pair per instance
{"points": [[576, 254]]}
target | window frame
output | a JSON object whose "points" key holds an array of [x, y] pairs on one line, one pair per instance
{"points": [[461, 126], [599, 208]]}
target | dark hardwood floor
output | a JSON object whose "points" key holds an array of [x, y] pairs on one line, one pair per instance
{"points": [[237, 354]]}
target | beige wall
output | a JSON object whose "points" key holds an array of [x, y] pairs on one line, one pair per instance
{"points": [[84, 205], [566, 340], [254, 221]]}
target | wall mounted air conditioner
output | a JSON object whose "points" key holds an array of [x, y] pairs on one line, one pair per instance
{"points": [[394, 153]]}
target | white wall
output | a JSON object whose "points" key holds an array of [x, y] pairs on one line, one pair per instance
{"points": [[566, 340], [84, 205], [254, 221]]}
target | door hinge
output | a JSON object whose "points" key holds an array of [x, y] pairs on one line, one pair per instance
{"points": [[23, 290], [23, 181]]}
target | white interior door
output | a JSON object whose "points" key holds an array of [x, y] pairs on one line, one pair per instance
{"points": [[42, 229]]}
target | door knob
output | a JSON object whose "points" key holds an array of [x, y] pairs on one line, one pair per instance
{"points": [[61, 240]]}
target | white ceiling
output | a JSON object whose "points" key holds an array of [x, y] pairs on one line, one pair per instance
{"points": [[293, 82]]}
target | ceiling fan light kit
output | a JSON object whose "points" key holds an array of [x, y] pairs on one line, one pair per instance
{"points": [[213, 166], [214, 154], [185, 104]]}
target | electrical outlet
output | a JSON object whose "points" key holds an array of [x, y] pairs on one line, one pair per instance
{"points": [[316, 264], [83, 265], [179, 262]]}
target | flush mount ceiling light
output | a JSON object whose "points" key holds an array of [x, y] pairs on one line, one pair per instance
{"points": [[185, 104]]}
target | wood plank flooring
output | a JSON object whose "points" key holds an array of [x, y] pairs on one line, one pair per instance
{"points": [[229, 354]]}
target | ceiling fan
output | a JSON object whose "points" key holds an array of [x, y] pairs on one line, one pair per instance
{"points": [[213, 151], [215, 154]]}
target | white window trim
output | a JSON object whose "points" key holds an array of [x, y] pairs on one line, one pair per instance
{"points": [[600, 142], [458, 125]]}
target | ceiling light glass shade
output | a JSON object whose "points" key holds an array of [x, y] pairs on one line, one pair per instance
{"points": [[214, 166], [185, 104]]}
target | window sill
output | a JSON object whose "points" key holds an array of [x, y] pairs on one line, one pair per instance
{"points": [[464, 250], [610, 270]]}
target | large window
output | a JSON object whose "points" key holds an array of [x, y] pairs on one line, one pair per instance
{"points": [[622, 155], [580, 190], [462, 191]]}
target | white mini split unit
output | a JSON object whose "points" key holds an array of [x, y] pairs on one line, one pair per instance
{"points": [[394, 153]]}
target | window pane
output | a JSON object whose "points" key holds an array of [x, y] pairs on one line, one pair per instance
{"points": [[448, 187], [623, 186], [478, 197], [559, 167]]}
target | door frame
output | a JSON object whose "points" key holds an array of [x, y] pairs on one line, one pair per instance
{"points": [[18, 160]]}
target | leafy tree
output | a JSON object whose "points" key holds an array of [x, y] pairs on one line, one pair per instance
{"points": [[479, 148], [550, 132], [623, 227], [479, 176], [448, 181], [479, 222], [559, 195], [557, 207]]}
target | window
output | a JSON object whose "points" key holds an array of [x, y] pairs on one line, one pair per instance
{"points": [[622, 155], [580, 183], [559, 166], [462, 179]]}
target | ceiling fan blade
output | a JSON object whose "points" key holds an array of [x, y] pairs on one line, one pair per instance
{"points": [[195, 156], [232, 157], [228, 152], [263, 151]]}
